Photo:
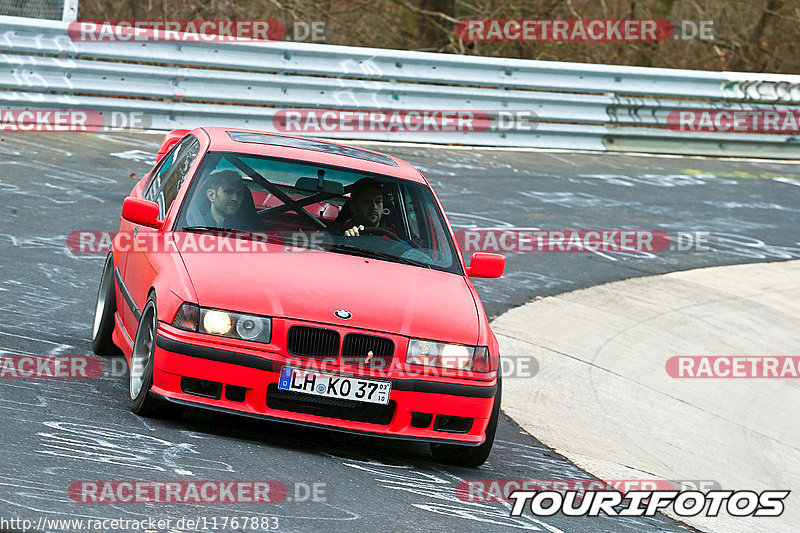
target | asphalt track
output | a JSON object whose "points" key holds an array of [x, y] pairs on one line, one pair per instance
{"points": [[55, 432]]}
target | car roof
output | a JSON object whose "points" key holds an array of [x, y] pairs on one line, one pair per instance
{"points": [[273, 144]]}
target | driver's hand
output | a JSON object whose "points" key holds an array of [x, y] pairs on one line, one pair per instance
{"points": [[353, 232]]}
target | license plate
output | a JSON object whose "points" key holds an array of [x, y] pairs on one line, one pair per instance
{"points": [[333, 386]]}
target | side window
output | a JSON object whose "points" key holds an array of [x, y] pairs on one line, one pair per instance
{"points": [[427, 225], [414, 214], [164, 165], [167, 180], [413, 221]]}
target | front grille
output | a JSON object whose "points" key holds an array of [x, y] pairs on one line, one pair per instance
{"points": [[305, 341], [296, 402], [356, 348]]}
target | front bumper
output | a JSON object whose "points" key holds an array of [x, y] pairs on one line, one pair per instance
{"points": [[254, 377]]}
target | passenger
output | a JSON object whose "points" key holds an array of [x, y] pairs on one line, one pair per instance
{"points": [[223, 201]]}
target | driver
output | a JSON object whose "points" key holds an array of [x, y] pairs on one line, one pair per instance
{"points": [[364, 211], [365, 206]]}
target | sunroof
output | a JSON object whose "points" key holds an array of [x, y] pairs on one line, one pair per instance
{"points": [[306, 144]]}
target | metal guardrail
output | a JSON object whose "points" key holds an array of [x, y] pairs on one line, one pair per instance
{"points": [[577, 106]]}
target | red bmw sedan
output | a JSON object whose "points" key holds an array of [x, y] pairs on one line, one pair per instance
{"points": [[303, 281]]}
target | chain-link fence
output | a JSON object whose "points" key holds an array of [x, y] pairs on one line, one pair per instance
{"points": [[40, 9]]}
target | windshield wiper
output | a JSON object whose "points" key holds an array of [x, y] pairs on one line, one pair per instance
{"points": [[206, 228], [355, 250], [239, 233]]}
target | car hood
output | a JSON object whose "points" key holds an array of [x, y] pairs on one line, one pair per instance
{"points": [[311, 285]]}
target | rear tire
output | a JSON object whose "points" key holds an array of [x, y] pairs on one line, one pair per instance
{"points": [[141, 368], [472, 456], [104, 310]]}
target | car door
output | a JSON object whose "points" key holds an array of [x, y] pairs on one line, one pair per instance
{"points": [[162, 188]]}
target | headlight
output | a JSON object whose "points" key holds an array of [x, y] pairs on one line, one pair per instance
{"points": [[443, 355], [249, 327], [217, 322], [254, 328]]}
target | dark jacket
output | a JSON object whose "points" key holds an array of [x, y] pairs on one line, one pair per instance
{"points": [[246, 219]]}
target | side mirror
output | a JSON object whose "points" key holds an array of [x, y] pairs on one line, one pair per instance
{"points": [[142, 212], [485, 265]]}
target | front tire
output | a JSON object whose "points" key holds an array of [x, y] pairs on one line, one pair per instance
{"points": [[104, 310], [141, 367], [472, 456]]}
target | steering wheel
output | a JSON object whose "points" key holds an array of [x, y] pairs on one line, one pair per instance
{"points": [[386, 233], [381, 233]]}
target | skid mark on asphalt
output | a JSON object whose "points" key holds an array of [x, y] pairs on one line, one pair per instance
{"points": [[440, 495], [124, 448], [36, 497], [36, 147], [438, 486], [654, 180], [45, 346], [146, 142], [475, 220], [73, 192], [539, 462], [64, 275], [750, 247], [575, 200], [142, 156]]}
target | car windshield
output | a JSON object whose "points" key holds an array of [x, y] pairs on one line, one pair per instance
{"points": [[309, 205]]}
